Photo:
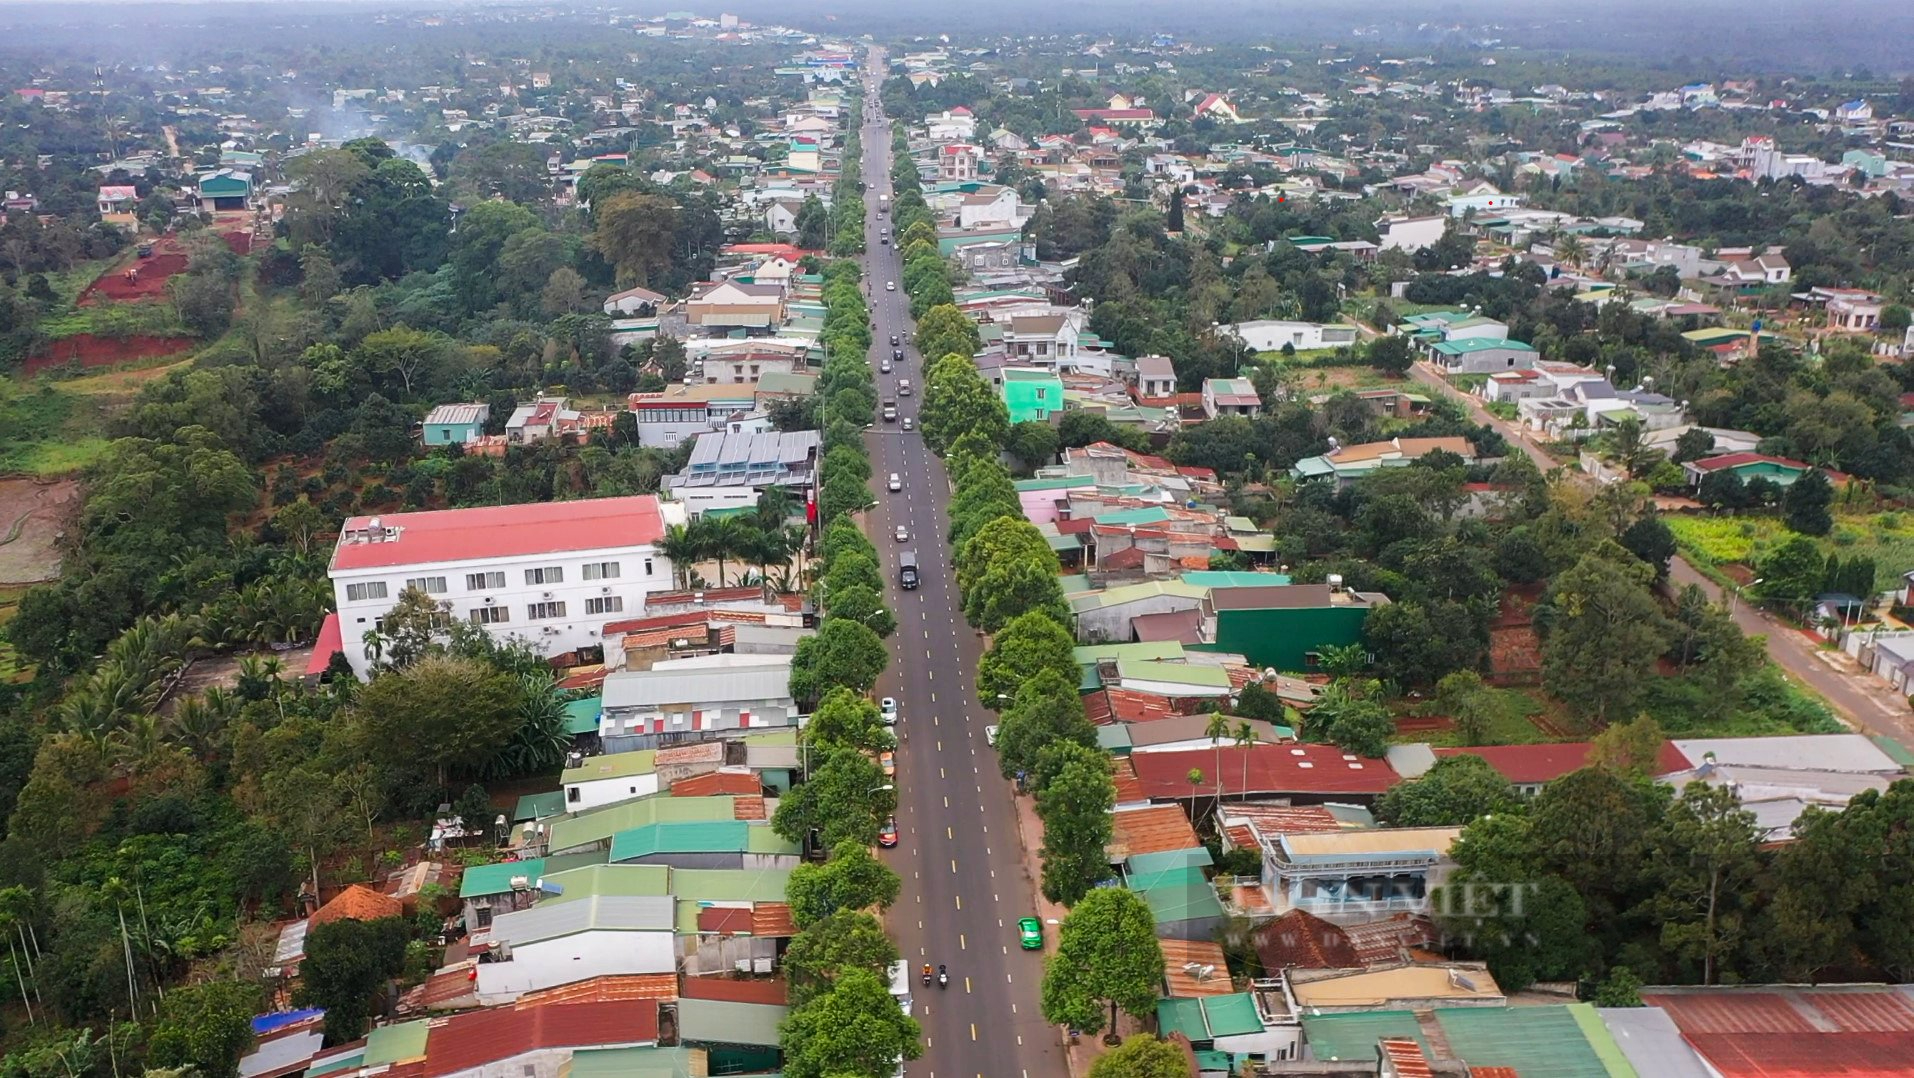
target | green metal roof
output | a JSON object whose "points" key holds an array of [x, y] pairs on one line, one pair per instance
{"points": [[1208, 677], [1075, 583], [497, 879], [1129, 593], [1218, 578], [638, 1063], [1114, 737], [1194, 857], [600, 824], [1061, 543], [1353, 1036], [581, 716], [612, 881], [1155, 649], [706, 836], [1209, 1017], [1187, 903], [396, 1043], [711, 1021], [1153, 514], [1480, 344], [618, 765], [730, 884], [344, 1061], [1533, 1040], [1059, 482], [539, 806], [1170, 874], [1895, 750]]}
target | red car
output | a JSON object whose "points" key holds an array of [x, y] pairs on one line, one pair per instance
{"points": [[887, 835]]}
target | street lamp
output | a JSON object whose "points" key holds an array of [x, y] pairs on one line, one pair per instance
{"points": [[1734, 600]]}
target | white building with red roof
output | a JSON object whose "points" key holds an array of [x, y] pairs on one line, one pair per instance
{"points": [[552, 573]]}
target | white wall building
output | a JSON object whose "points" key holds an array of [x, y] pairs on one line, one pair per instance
{"points": [[1269, 335], [563, 942], [1412, 233], [552, 573]]}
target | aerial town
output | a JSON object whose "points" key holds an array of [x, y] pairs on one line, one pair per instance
{"points": [[601, 543]]}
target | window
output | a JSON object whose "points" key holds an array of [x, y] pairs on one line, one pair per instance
{"points": [[550, 574], [431, 585], [1040, 392], [545, 611], [491, 615], [571, 794], [605, 604], [647, 566], [601, 570], [484, 581], [359, 593]]}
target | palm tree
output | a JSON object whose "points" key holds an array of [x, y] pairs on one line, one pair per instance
{"points": [[198, 726], [115, 891], [775, 505], [137, 742], [1216, 730], [724, 538], [1245, 737], [679, 546]]}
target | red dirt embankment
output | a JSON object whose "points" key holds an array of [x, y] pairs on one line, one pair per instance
{"points": [[93, 351]]}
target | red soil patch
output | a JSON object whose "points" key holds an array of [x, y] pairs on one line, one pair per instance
{"points": [[1515, 652], [1424, 724], [240, 242], [149, 275], [91, 351]]}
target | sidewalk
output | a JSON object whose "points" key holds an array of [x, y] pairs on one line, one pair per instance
{"points": [[1030, 838]]}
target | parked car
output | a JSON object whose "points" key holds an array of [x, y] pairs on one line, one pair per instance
{"points": [[887, 835], [1030, 934]]}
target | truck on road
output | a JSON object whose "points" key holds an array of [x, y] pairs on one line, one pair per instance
{"points": [[890, 411], [907, 570]]}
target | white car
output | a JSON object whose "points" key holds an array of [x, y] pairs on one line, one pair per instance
{"points": [[887, 710], [990, 736], [890, 286], [903, 534], [907, 423], [897, 482], [884, 367]]}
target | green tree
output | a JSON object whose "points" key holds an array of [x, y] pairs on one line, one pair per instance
{"points": [[1142, 1056], [851, 880], [1046, 711], [1391, 354], [1528, 926], [842, 653], [861, 604], [1456, 791], [347, 966], [206, 1026], [1349, 715], [844, 799], [845, 720], [635, 233], [443, 713], [855, 1030], [846, 940], [1631, 749], [1029, 644], [1011, 589], [1792, 574], [1706, 859], [1620, 989], [1106, 953], [1075, 807], [1602, 631], [1804, 505]]}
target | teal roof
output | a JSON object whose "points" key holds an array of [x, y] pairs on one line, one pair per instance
{"points": [[1129, 593], [397, 1043], [1114, 737], [1191, 902], [581, 716], [1532, 1040], [539, 806], [1209, 1017], [1217, 578], [1353, 1036], [497, 879], [1154, 514], [1480, 344], [600, 824], [1194, 857], [1170, 875], [343, 1061], [710, 836], [1059, 482], [1075, 583]]}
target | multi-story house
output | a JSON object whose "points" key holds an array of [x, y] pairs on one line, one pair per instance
{"points": [[550, 573]]}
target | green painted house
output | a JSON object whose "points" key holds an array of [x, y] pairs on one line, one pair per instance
{"points": [[1286, 627], [455, 424], [227, 189], [1031, 394]]}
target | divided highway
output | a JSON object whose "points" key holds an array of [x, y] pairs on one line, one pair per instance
{"points": [[958, 851]]}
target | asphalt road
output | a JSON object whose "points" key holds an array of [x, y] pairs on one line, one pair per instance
{"points": [[1866, 702], [959, 856]]}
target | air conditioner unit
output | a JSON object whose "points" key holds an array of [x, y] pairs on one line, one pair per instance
{"points": [[489, 600], [546, 595], [606, 590]]}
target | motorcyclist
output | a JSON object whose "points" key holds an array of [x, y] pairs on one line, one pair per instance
{"points": [[943, 978], [927, 975]]}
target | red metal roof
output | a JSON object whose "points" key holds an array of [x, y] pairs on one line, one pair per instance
{"points": [[1270, 769], [1531, 764], [725, 920], [718, 783], [501, 531], [356, 903], [733, 990], [1157, 829], [477, 1038], [1301, 940], [331, 641]]}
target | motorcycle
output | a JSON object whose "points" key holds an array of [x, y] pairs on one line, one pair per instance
{"points": [[926, 976], [943, 978]]}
